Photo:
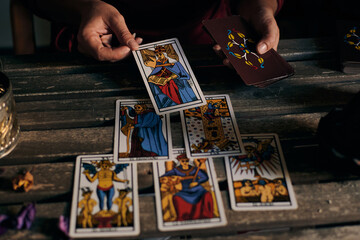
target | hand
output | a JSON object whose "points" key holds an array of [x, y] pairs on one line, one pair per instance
{"points": [[193, 184], [99, 21], [260, 14]]}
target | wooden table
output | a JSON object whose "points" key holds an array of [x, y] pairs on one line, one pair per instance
{"points": [[65, 106]]}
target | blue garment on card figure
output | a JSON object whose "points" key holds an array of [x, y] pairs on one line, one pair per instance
{"points": [[147, 137], [194, 194], [182, 87]]}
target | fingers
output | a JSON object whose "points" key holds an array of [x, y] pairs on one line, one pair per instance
{"points": [[220, 53], [265, 25], [270, 36], [98, 26], [99, 47], [260, 14], [118, 26]]}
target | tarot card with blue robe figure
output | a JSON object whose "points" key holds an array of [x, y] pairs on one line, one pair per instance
{"points": [[259, 180], [211, 130], [105, 198], [140, 134], [168, 77], [187, 194]]}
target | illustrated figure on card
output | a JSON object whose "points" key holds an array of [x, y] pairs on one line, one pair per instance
{"points": [[192, 200], [168, 81], [105, 199], [87, 205], [187, 194], [124, 202], [143, 129], [105, 177], [140, 133], [211, 129], [259, 178]]}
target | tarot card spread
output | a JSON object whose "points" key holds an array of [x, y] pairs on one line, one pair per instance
{"points": [[187, 194], [105, 198], [211, 129], [140, 134], [168, 77], [259, 180]]}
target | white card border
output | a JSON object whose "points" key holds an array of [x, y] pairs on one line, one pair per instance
{"points": [[201, 101], [117, 136], [235, 126], [290, 189], [74, 203], [190, 225]]}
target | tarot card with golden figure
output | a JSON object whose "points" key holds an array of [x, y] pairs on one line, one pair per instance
{"points": [[105, 198], [168, 77], [259, 180], [140, 134], [211, 130], [187, 194]]}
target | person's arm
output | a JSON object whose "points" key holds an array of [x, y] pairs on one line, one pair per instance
{"points": [[97, 21]]}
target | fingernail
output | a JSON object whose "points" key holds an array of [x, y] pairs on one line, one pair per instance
{"points": [[133, 45], [139, 40], [226, 62], [217, 47], [262, 48]]}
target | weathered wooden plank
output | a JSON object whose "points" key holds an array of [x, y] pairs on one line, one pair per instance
{"points": [[54, 180], [53, 145], [128, 82], [319, 204], [329, 233], [249, 104], [290, 49]]}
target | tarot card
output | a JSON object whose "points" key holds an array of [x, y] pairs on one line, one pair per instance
{"points": [[187, 194], [211, 129], [259, 179], [105, 198], [140, 134], [168, 77], [238, 42], [349, 45]]}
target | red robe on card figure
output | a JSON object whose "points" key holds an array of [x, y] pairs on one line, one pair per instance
{"points": [[192, 201]]}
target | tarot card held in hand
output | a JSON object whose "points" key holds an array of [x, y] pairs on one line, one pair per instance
{"points": [[259, 180], [168, 77], [238, 43], [187, 194], [211, 129], [140, 134], [105, 198]]}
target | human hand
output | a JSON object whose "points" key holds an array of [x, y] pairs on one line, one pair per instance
{"points": [[260, 15], [99, 22], [193, 184]]}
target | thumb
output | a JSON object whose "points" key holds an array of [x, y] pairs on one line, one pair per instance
{"points": [[269, 32]]}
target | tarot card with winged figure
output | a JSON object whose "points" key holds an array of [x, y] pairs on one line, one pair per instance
{"points": [[105, 198]]}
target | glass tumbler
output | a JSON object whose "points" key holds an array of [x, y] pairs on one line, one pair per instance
{"points": [[9, 127]]}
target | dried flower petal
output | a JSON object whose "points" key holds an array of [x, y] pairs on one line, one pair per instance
{"points": [[26, 216]]}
